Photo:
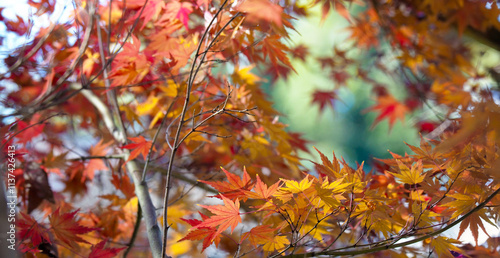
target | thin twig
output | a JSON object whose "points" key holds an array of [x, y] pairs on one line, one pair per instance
{"points": [[181, 124], [137, 225]]}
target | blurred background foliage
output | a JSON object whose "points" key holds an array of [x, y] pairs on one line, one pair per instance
{"points": [[346, 128]]}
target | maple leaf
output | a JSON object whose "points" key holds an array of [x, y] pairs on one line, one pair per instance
{"points": [[140, 146], [278, 71], [277, 243], [326, 192], [180, 11], [130, 65], [410, 176], [259, 235], [209, 236], [52, 163], [473, 222], [389, 107], [130, 114], [98, 251], [30, 229], [232, 189], [324, 98], [462, 204], [443, 246], [297, 187], [300, 52], [275, 50], [66, 228], [262, 191], [29, 131], [365, 33], [426, 126], [297, 141], [340, 77], [227, 215], [125, 185], [100, 149], [150, 12], [337, 5], [257, 10], [328, 168]]}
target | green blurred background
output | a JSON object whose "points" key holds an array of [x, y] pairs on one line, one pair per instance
{"points": [[346, 129]]}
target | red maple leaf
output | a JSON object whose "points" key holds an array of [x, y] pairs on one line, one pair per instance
{"points": [[30, 229], [340, 77], [179, 11], [183, 14], [98, 251], [278, 71], [324, 98], [297, 141], [28, 131], [389, 108], [300, 52], [66, 228], [140, 146], [150, 12]]}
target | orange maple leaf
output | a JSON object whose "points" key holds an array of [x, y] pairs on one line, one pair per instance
{"points": [[66, 228], [333, 4], [209, 236], [130, 65], [259, 235], [364, 33], [262, 191], [227, 215], [233, 188], [96, 164], [275, 50], [140, 146], [257, 10], [389, 107]]}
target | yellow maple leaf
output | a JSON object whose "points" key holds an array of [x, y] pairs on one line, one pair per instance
{"points": [[443, 246], [297, 187], [147, 106], [328, 193], [462, 204], [410, 176], [277, 243]]}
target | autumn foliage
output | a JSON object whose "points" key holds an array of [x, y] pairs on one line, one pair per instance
{"points": [[132, 112]]}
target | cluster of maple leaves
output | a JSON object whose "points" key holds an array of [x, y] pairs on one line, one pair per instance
{"points": [[168, 91]]}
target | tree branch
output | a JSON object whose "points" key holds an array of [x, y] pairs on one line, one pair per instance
{"points": [[141, 188], [393, 245]]}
